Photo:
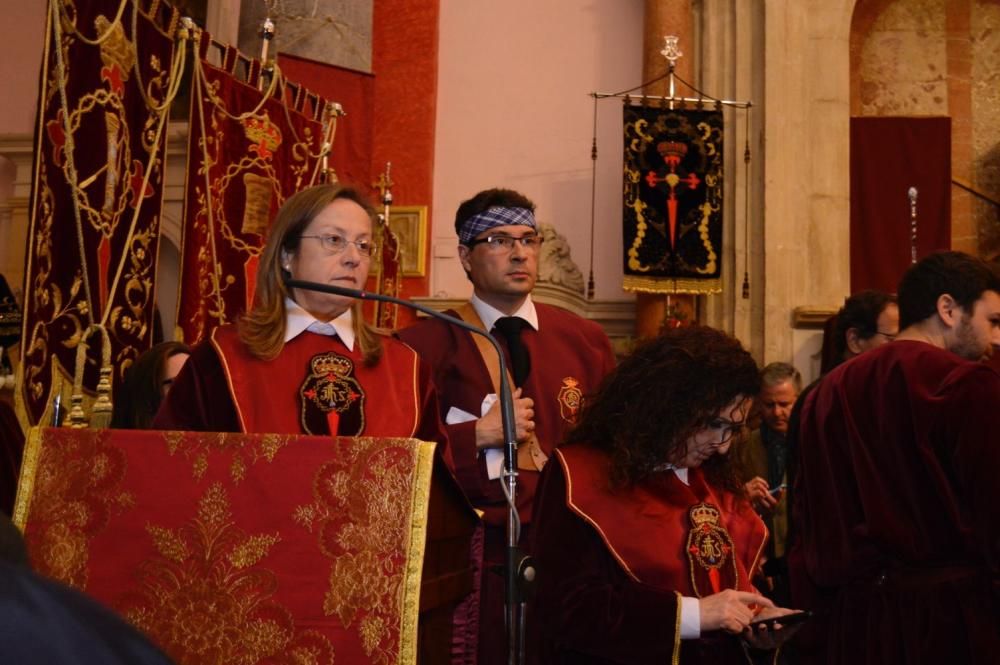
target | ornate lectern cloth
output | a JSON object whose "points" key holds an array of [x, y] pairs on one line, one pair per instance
{"points": [[95, 205], [229, 548], [672, 214]]}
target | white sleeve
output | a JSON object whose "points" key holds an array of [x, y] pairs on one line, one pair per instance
{"points": [[690, 618]]}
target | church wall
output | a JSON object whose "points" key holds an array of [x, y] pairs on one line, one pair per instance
{"points": [[805, 234], [514, 111], [940, 57]]}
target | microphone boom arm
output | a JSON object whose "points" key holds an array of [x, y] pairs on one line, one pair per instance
{"points": [[514, 558]]}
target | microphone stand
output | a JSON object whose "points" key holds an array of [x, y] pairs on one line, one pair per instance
{"points": [[519, 570]]}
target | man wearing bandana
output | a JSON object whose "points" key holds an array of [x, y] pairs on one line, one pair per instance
{"points": [[555, 358]]}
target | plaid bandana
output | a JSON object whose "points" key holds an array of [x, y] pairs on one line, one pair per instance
{"points": [[493, 217]]}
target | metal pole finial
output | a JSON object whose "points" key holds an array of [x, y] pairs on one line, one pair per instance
{"points": [[671, 49]]}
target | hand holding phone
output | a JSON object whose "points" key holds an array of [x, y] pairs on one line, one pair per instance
{"points": [[785, 620]]}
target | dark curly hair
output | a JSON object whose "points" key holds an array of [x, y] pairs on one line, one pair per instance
{"points": [[861, 312], [663, 393]]}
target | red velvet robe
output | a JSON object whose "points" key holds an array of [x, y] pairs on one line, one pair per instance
{"points": [[222, 388], [614, 564], [568, 354], [564, 347], [897, 510]]}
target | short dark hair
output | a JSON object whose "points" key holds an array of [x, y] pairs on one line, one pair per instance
{"points": [[861, 312], [489, 198], [662, 394], [962, 276]]}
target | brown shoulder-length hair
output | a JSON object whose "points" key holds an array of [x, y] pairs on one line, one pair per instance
{"points": [[141, 393], [262, 329], [663, 393]]}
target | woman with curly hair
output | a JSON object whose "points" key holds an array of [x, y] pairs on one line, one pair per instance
{"points": [[644, 542]]}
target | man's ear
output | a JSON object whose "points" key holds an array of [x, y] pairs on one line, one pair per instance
{"points": [[948, 310], [853, 340], [463, 256]]}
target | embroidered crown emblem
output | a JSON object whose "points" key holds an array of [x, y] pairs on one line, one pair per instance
{"points": [[116, 50], [264, 133], [325, 365], [704, 513]]}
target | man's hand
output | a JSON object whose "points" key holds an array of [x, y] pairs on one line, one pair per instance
{"points": [[760, 497], [763, 637], [729, 610], [489, 428]]}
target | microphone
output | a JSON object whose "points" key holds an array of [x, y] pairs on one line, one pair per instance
{"points": [[506, 396], [519, 569]]}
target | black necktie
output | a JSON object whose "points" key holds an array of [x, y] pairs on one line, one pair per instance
{"points": [[510, 327]]}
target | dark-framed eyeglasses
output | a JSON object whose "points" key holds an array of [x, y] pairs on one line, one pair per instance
{"points": [[726, 429], [501, 243], [335, 244]]}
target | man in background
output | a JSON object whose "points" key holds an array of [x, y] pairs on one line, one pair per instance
{"points": [[899, 532], [763, 459], [555, 358]]}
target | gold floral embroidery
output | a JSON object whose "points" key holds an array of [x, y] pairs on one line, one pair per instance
{"points": [[361, 500], [76, 492], [205, 599], [246, 451]]}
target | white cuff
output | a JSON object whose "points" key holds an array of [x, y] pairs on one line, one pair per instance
{"points": [[690, 618]]}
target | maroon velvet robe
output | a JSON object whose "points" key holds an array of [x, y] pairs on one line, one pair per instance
{"points": [[567, 353], [614, 564], [564, 347], [897, 510], [222, 388]]}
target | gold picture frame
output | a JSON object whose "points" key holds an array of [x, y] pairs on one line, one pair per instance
{"points": [[409, 223]]}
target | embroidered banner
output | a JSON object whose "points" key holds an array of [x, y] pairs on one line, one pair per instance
{"points": [[388, 274], [266, 548], [107, 78], [248, 151], [672, 200]]}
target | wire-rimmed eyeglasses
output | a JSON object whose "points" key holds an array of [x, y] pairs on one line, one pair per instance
{"points": [[335, 244]]}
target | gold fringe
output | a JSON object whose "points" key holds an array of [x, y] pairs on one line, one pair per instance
{"points": [[26, 483], [672, 285], [424, 467]]}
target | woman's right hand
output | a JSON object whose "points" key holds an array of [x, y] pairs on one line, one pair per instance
{"points": [[729, 610]]}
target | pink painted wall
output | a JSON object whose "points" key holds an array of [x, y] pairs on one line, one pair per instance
{"points": [[514, 111], [24, 41]]}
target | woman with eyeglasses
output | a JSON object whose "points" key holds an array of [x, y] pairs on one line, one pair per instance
{"points": [[301, 361], [645, 542]]}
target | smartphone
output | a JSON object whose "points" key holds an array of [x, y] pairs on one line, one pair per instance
{"points": [[785, 621], [780, 488]]}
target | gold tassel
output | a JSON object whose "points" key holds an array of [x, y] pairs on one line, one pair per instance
{"points": [[100, 413]]}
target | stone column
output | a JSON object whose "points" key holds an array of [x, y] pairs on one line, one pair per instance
{"points": [[664, 17]]}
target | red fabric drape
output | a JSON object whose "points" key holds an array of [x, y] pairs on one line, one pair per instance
{"points": [[230, 548], [888, 156], [352, 149]]}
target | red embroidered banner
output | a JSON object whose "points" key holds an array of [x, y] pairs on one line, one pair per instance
{"points": [[389, 275], [248, 151], [107, 76], [266, 548]]}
